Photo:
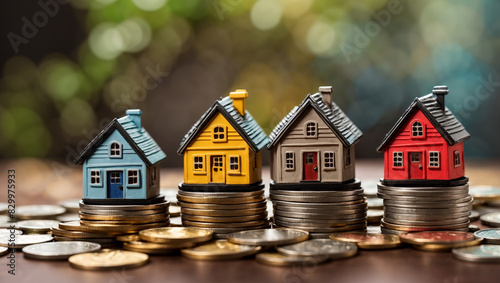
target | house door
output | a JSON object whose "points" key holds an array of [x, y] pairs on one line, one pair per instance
{"points": [[218, 173], [310, 165], [115, 184], [416, 165]]}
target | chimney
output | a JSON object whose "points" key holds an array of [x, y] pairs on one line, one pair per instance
{"points": [[238, 96], [326, 95], [135, 116], [439, 92]]}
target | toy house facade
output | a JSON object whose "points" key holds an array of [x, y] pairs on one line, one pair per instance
{"points": [[121, 163], [315, 142], [224, 146], [426, 143]]}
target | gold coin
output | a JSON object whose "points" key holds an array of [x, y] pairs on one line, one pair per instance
{"points": [[104, 241], [144, 220], [108, 259], [242, 206], [158, 246], [215, 212], [220, 250], [447, 247], [221, 194], [79, 235], [128, 238], [174, 211], [368, 241], [123, 212], [120, 229], [224, 219], [286, 260], [135, 219], [223, 225], [176, 235], [222, 200], [125, 207], [4, 251]]}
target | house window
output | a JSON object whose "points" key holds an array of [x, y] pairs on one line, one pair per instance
{"points": [[234, 164], [219, 134], [311, 130], [133, 177], [95, 177], [289, 160], [329, 159], [397, 159], [115, 150], [417, 130], [309, 158], [457, 159], [198, 163], [348, 157], [415, 157], [115, 178], [434, 159]]}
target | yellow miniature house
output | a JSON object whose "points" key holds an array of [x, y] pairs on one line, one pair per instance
{"points": [[223, 148]]}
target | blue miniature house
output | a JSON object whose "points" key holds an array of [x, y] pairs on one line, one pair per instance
{"points": [[121, 164]]}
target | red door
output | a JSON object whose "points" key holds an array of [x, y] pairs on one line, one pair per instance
{"points": [[310, 160], [416, 165]]}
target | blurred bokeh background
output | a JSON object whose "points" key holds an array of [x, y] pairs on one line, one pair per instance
{"points": [[68, 68]]}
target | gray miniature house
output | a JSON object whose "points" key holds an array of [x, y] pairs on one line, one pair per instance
{"points": [[121, 164], [314, 144]]}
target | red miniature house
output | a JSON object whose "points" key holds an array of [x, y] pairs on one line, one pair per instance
{"points": [[425, 147]]}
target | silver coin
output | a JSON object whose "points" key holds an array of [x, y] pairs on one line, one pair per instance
{"points": [[3, 207], [220, 194], [488, 193], [170, 194], [259, 204], [4, 251], [374, 229], [320, 247], [20, 241], [426, 222], [233, 230], [356, 192], [422, 199], [321, 222], [333, 206], [8, 232], [426, 211], [320, 211], [71, 205], [375, 203], [124, 212], [68, 217], [317, 216], [419, 217], [391, 231], [268, 237], [39, 211], [370, 187], [474, 215], [423, 191], [491, 219], [490, 236], [466, 202], [374, 216], [37, 226], [59, 250], [6, 221], [176, 222], [322, 228], [126, 207], [473, 228], [481, 253], [317, 199]]}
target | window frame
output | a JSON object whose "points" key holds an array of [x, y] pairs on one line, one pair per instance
{"points": [[292, 159], [99, 177], [306, 126], [456, 154], [431, 163], [111, 149], [203, 169], [213, 133], [333, 162], [424, 130], [347, 157], [138, 184], [231, 162], [398, 154]]}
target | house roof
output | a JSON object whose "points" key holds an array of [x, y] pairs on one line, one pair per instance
{"points": [[442, 119], [139, 139], [334, 117], [246, 126]]}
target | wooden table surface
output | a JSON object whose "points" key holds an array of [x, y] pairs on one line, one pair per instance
{"points": [[45, 182]]}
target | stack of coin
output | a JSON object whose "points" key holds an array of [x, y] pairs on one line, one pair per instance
{"points": [[165, 240], [320, 212], [412, 209], [223, 212], [74, 231]]}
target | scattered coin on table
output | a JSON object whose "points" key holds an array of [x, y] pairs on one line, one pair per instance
{"points": [[36, 226], [67, 217], [268, 237], [474, 215], [220, 250], [176, 235], [58, 250], [481, 253], [43, 211], [320, 247], [71, 205], [490, 236], [108, 259], [368, 241], [440, 240], [485, 193], [278, 259], [21, 241], [491, 219]]}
